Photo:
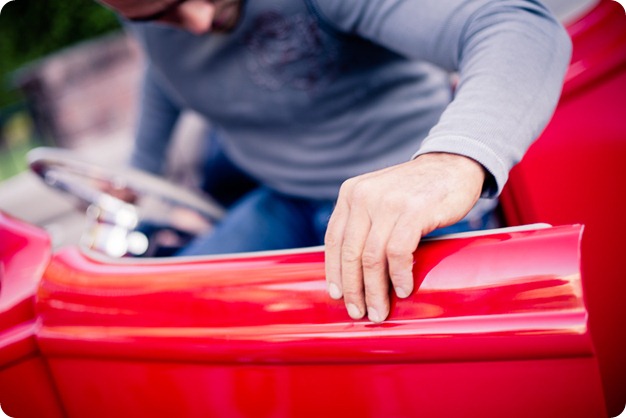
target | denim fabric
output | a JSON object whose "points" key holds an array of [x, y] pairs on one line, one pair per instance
{"points": [[222, 179], [267, 220]]}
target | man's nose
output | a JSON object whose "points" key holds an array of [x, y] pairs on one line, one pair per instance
{"points": [[196, 16]]}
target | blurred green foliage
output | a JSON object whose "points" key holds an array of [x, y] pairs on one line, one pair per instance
{"points": [[31, 29]]}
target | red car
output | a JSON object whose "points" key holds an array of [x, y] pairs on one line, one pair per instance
{"points": [[516, 322]]}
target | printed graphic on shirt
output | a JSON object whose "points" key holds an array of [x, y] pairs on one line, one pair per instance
{"points": [[289, 51]]}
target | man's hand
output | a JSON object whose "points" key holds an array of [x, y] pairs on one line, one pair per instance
{"points": [[379, 220]]}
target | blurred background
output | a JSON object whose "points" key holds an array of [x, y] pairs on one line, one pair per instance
{"points": [[69, 78], [53, 55]]}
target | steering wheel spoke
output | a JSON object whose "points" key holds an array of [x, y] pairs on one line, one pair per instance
{"points": [[119, 201]]}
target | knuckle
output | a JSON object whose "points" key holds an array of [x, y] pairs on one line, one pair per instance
{"points": [[372, 261], [360, 192], [346, 187], [398, 253], [398, 204], [350, 254], [331, 239]]}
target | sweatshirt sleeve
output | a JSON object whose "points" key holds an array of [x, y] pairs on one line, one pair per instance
{"points": [[158, 115], [510, 56]]}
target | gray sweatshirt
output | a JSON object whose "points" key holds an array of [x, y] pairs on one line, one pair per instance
{"points": [[307, 93]]}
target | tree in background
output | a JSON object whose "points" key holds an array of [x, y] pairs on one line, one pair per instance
{"points": [[31, 29]]}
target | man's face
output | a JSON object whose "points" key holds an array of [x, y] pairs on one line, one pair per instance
{"points": [[196, 16]]}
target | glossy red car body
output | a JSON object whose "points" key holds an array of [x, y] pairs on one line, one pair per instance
{"points": [[497, 327], [575, 173], [504, 324]]}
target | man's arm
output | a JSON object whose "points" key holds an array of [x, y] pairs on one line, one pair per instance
{"points": [[511, 56], [158, 115]]}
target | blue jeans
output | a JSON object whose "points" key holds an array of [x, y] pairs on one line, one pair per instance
{"points": [[222, 179], [266, 220]]}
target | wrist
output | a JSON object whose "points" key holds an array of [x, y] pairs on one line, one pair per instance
{"points": [[467, 166]]}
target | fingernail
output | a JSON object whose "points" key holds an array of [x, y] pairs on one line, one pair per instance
{"points": [[333, 291], [373, 315], [353, 311], [401, 292]]}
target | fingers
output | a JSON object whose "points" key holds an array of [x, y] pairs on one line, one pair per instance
{"points": [[352, 271], [387, 258], [379, 220], [333, 242], [375, 275], [359, 258], [345, 239], [402, 243]]}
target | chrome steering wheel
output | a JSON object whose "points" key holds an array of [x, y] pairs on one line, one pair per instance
{"points": [[118, 201]]}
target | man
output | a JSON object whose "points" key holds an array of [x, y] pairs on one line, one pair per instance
{"points": [[307, 94]]}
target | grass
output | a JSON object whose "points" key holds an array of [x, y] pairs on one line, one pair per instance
{"points": [[13, 160], [17, 137]]}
